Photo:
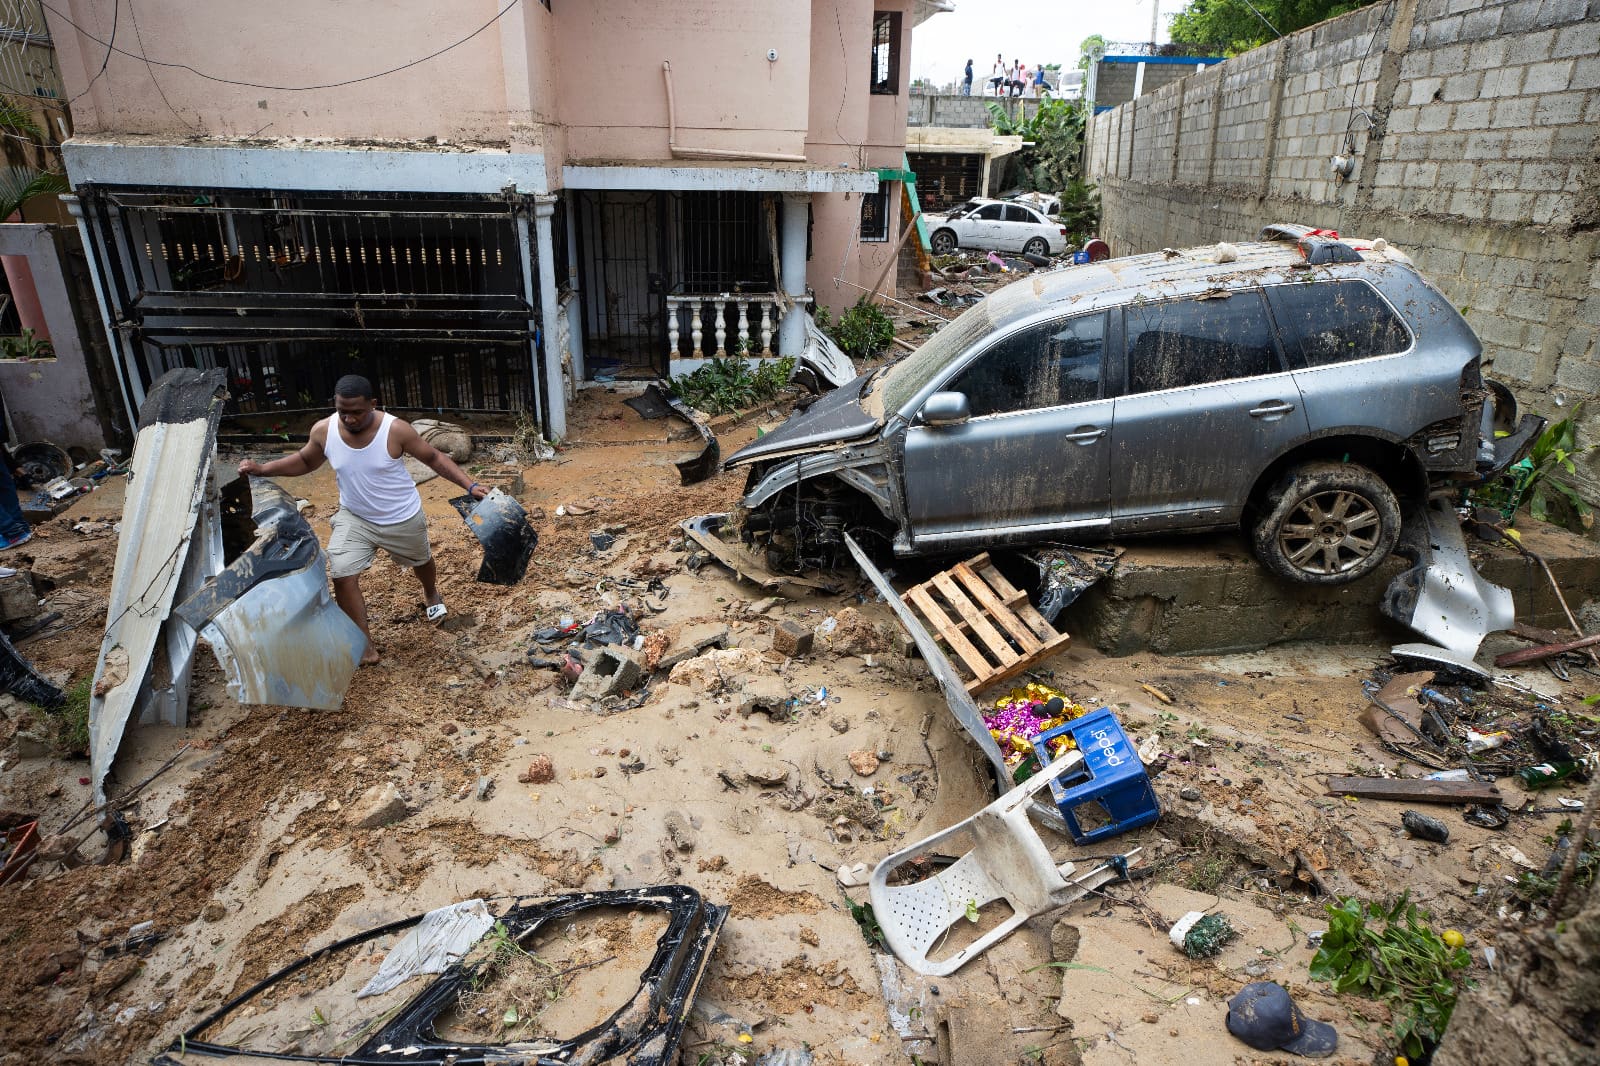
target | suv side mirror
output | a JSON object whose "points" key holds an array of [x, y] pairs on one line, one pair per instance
{"points": [[946, 409]]}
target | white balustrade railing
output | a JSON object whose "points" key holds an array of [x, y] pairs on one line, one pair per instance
{"points": [[706, 320]]}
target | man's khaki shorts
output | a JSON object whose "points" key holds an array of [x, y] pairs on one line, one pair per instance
{"points": [[355, 543]]}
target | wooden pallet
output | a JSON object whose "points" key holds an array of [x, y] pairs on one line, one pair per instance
{"points": [[985, 621]]}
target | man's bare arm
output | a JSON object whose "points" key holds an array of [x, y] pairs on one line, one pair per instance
{"points": [[412, 444], [307, 459]]}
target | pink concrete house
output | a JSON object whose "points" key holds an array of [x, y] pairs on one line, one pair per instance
{"points": [[479, 203]]}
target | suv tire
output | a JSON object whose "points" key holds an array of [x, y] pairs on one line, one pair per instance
{"points": [[943, 242], [1327, 523]]}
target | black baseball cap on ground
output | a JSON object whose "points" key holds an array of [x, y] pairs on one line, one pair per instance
{"points": [[1263, 1016]]}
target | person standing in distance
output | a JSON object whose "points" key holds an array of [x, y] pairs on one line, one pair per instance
{"points": [[966, 80], [379, 506]]}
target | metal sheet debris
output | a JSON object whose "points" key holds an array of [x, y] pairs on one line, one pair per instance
{"points": [[172, 464], [1442, 596], [501, 526], [269, 619]]}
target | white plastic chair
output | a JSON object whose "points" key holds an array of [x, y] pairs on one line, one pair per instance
{"points": [[1008, 861]]}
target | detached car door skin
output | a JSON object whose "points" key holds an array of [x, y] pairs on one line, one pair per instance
{"points": [[1033, 457], [1206, 405]]}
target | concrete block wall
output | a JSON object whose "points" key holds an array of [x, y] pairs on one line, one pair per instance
{"points": [[1475, 130], [964, 112]]}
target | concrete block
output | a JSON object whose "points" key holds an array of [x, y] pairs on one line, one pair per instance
{"points": [[792, 639], [1550, 77], [691, 641], [1433, 117], [1560, 109], [378, 806], [1487, 56], [1532, 47], [1512, 366], [1530, 144], [1506, 206], [1442, 31], [1448, 62], [612, 671], [1513, 112], [1484, 146], [1557, 12], [1500, 175], [1472, 116], [1423, 91], [1578, 375], [1481, 24], [1585, 73], [1582, 39]]}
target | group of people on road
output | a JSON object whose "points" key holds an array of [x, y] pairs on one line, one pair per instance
{"points": [[1013, 80]]}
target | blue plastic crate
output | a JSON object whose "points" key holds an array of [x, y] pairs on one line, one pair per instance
{"points": [[1110, 774], [1080, 257]]}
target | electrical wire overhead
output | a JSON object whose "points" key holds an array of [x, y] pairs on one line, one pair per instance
{"points": [[111, 47]]}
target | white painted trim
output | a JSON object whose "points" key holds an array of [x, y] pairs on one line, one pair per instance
{"points": [[296, 168], [750, 178]]}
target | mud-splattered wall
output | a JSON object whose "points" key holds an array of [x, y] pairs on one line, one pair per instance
{"points": [[1474, 127]]}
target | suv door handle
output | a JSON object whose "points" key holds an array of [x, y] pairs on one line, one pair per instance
{"points": [[1272, 409], [1084, 434]]}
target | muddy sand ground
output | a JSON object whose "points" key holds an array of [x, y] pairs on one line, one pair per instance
{"points": [[245, 855]]}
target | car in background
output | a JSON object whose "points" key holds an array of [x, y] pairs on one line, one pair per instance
{"points": [[1301, 389], [996, 226]]}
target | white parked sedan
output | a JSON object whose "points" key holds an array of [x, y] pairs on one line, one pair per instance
{"points": [[998, 227]]}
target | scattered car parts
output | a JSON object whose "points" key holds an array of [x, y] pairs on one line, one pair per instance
{"points": [[399, 1025], [18, 677], [501, 526], [170, 484], [268, 617]]}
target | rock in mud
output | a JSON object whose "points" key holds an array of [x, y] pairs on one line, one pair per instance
{"points": [[214, 911], [540, 771], [864, 763], [678, 831], [767, 774], [854, 635], [115, 974], [378, 806], [1064, 939]]}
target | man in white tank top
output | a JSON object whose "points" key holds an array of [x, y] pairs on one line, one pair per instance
{"points": [[379, 506]]}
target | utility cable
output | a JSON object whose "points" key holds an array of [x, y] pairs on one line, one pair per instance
{"points": [[1263, 19], [111, 47], [139, 37]]}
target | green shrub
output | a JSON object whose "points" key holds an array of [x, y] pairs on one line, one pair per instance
{"points": [[863, 332], [728, 384]]}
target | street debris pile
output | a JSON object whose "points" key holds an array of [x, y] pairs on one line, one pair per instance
{"points": [[659, 800]]}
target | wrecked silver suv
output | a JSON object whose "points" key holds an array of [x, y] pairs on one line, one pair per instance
{"points": [[1300, 388]]}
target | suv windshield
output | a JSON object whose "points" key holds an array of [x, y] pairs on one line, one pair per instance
{"points": [[896, 387]]}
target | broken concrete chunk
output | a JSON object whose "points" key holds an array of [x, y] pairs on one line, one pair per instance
{"points": [[612, 671], [1064, 939], [693, 640], [712, 671], [791, 639], [32, 744], [378, 806], [765, 695]]}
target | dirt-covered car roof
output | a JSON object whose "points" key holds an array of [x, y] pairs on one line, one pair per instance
{"points": [[1152, 276]]}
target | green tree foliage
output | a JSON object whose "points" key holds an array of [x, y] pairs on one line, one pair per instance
{"points": [[1207, 27], [1091, 44]]}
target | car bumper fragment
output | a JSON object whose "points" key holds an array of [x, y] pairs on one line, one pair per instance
{"points": [[502, 527]]}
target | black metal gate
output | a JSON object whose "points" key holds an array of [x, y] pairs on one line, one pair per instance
{"points": [[636, 247], [432, 299]]}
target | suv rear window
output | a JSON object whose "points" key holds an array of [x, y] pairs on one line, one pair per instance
{"points": [[1327, 322], [1179, 343]]}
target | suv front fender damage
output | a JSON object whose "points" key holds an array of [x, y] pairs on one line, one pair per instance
{"points": [[269, 619]]}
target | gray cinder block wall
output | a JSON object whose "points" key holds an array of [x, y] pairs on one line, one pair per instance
{"points": [[1474, 125]]}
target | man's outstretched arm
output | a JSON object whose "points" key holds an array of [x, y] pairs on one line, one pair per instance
{"points": [[307, 459], [412, 444]]}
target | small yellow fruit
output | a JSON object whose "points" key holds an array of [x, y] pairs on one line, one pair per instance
{"points": [[1401, 1060], [746, 1038], [1453, 938]]}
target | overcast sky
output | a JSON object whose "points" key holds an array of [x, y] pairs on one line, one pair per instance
{"points": [[1034, 31]]}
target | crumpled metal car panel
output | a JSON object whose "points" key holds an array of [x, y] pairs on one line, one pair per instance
{"points": [[269, 618], [645, 1031], [821, 364], [167, 483], [501, 526]]}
